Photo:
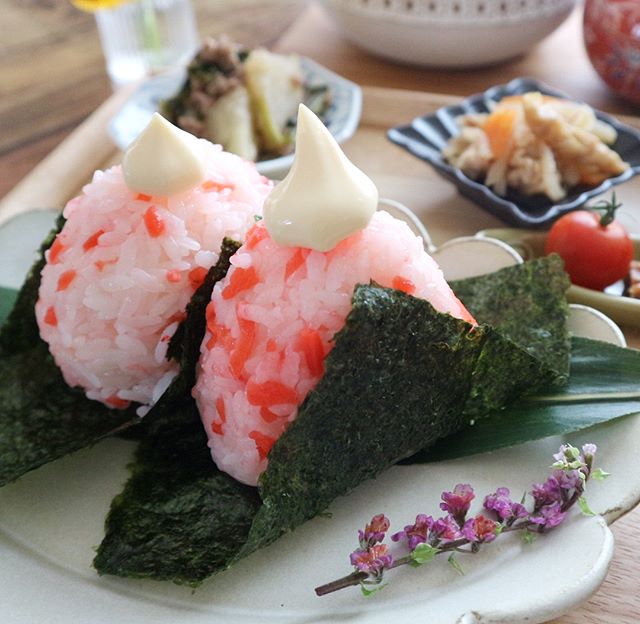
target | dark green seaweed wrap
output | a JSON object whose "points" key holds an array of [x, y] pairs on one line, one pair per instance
{"points": [[400, 376], [178, 518], [41, 417]]}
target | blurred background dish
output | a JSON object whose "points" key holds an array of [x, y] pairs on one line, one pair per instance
{"points": [[341, 117], [448, 33], [612, 39]]}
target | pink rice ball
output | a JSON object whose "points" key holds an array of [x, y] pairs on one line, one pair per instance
{"points": [[122, 270], [271, 321]]}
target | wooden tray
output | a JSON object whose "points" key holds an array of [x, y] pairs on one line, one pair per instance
{"points": [[399, 176]]}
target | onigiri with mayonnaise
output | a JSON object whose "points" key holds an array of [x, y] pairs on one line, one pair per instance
{"points": [[271, 321], [134, 247]]}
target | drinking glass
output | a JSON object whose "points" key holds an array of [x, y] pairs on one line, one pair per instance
{"points": [[144, 37]]}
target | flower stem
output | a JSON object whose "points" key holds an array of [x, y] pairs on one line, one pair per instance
{"points": [[552, 500], [355, 578]]}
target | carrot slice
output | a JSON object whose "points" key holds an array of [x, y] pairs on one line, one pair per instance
{"points": [[295, 262], [243, 348], [117, 402], [499, 128], [403, 284], [241, 279], [267, 415], [92, 241], [263, 443], [100, 264], [270, 393], [310, 343], [174, 276], [56, 250], [50, 317], [143, 197], [221, 410], [212, 185], [65, 279], [153, 222], [255, 235]]}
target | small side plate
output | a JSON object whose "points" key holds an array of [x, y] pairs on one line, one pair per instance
{"points": [[342, 118], [425, 137]]}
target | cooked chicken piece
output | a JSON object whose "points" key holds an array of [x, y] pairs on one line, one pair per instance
{"points": [[574, 147], [469, 151]]}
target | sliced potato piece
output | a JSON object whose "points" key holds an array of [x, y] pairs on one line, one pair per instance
{"points": [[229, 123], [275, 84]]}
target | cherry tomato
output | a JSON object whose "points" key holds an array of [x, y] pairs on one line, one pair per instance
{"points": [[595, 255]]}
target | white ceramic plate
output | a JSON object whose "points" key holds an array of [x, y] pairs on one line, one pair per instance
{"points": [[52, 518], [342, 117]]}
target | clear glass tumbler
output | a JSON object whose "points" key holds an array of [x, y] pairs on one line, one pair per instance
{"points": [[144, 37]]}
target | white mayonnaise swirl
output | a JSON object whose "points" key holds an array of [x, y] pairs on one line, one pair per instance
{"points": [[163, 160], [324, 198]]}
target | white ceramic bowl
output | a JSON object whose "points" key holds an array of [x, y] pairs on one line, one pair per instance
{"points": [[448, 33]]}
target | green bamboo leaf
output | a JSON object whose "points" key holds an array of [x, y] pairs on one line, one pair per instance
{"points": [[603, 386]]}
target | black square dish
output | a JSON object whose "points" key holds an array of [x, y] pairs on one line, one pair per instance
{"points": [[425, 137]]}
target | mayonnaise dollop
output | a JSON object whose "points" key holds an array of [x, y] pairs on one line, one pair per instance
{"points": [[324, 198], [163, 160]]}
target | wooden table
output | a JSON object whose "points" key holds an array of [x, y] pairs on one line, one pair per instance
{"points": [[52, 77]]}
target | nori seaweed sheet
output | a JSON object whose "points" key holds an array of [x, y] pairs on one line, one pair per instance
{"points": [[596, 367], [41, 418], [178, 518], [397, 379], [528, 304], [20, 331], [184, 346]]}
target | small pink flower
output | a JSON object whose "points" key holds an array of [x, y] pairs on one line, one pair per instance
{"points": [[416, 533], [549, 516], [501, 503], [372, 560], [480, 529], [445, 529], [457, 503], [375, 531]]}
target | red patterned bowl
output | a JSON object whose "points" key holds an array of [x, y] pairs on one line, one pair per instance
{"points": [[612, 39]]}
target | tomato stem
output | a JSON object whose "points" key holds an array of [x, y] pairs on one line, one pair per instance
{"points": [[609, 210]]}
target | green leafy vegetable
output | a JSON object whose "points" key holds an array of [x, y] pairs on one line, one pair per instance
{"points": [[603, 386]]}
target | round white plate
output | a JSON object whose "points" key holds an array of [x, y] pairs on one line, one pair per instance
{"points": [[52, 519]]}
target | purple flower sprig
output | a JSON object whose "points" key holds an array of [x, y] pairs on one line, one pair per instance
{"points": [[458, 532]]}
